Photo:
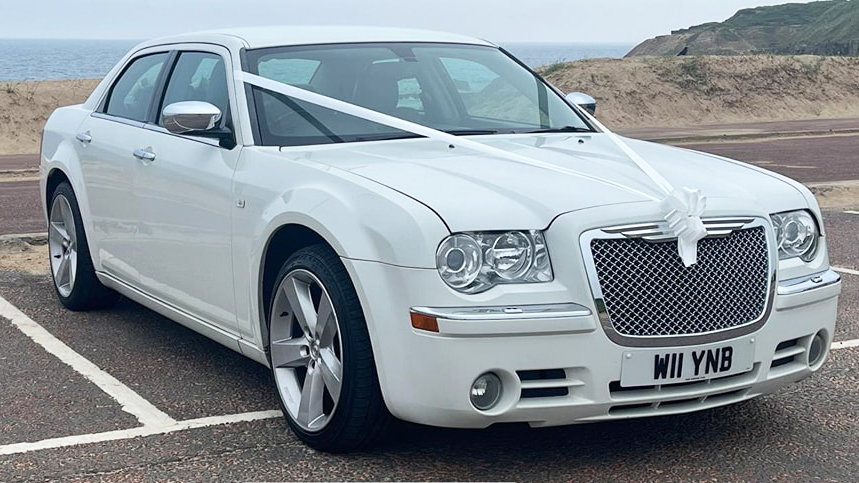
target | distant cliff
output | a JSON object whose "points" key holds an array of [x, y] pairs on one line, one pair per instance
{"points": [[822, 28]]}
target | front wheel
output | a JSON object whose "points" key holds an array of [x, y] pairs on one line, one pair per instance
{"points": [[320, 354]]}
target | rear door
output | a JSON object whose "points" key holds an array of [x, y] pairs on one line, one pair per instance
{"points": [[183, 196], [108, 162]]}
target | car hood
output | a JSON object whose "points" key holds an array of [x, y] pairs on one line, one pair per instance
{"points": [[476, 191]]}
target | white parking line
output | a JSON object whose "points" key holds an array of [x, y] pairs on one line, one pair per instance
{"points": [[54, 443], [849, 271], [851, 212], [846, 344], [130, 401]]}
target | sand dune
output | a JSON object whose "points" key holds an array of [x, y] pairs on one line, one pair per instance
{"points": [[634, 92], [25, 106], [682, 91]]}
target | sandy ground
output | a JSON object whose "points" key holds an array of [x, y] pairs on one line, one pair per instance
{"points": [[836, 195], [19, 175], [29, 256], [25, 106]]}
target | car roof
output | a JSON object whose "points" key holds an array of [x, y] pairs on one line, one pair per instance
{"points": [[259, 37]]}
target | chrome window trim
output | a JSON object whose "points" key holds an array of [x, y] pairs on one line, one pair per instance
{"points": [[814, 281], [506, 312], [716, 227], [188, 137], [121, 120]]}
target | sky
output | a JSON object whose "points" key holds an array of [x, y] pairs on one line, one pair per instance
{"points": [[563, 21]]}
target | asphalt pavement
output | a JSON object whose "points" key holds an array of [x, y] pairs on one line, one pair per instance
{"points": [[10, 162], [807, 432], [20, 207]]}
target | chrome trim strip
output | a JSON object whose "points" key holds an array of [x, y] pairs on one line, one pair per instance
{"points": [[519, 312], [679, 340], [659, 231], [121, 120], [797, 285]]}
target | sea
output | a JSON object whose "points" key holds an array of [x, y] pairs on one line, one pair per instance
{"points": [[52, 59]]}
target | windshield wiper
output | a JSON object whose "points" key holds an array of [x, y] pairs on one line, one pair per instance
{"points": [[385, 137], [471, 132], [560, 129]]}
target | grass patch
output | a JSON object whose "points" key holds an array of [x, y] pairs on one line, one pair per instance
{"points": [[553, 68]]}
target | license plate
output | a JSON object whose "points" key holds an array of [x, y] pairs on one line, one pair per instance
{"points": [[648, 367]]}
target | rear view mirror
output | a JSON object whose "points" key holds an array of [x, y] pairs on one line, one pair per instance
{"points": [[189, 116], [584, 101]]}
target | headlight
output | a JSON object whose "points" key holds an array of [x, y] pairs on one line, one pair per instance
{"points": [[796, 235], [475, 262]]}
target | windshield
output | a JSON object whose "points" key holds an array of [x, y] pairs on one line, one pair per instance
{"points": [[459, 89]]}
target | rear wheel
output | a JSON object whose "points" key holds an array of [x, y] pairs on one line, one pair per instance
{"points": [[320, 355], [72, 270]]}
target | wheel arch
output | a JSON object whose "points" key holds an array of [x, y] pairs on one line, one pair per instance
{"points": [[54, 178], [61, 170], [281, 244]]}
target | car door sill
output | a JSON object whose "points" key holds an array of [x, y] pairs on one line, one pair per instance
{"points": [[173, 313]]}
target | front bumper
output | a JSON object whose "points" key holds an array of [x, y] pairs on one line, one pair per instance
{"points": [[426, 377]]}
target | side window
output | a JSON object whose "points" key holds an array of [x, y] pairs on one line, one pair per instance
{"points": [[131, 94], [198, 76], [480, 89]]}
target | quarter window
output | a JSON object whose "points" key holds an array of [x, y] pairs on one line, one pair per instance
{"points": [[131, 95], [198, 76]]}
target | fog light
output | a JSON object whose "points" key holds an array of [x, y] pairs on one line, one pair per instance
{"points": [[817, 349], [486, 391]]}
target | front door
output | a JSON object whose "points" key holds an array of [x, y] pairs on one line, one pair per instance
{"points": [[183, 198]]}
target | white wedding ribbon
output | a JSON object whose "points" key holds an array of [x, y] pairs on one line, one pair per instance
{"points": [[682, 208]]}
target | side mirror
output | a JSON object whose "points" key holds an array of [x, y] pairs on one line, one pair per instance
{"points": [[189, 116], [197, 118], [584, 101]]}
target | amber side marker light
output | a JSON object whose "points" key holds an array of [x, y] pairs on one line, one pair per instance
{"points": [[424, 322]]}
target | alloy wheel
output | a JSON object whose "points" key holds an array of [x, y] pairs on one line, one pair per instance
{"points": [[306, 350], [62, 245]]}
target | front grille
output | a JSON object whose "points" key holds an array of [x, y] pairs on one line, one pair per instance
{"points": [[648, 292]]}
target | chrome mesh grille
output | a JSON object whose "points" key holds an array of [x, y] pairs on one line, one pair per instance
{"points": [[649, 293]]}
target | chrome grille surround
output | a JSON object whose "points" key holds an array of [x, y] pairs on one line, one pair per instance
{"points": [[649, 240]]}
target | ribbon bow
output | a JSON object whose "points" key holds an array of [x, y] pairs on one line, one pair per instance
{"points": [[683, 209]]}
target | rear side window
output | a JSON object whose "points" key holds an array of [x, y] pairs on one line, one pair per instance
{"points": [[131, 94], [198, 76]]}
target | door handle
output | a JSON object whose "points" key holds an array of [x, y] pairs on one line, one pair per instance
{"points": [[144, 154], [84, 137]]}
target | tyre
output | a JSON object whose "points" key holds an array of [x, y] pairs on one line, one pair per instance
{"points": [[72, 270], [320, 354]]}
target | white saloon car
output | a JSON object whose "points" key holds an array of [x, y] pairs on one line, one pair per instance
{"points": [[415, 225]]}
